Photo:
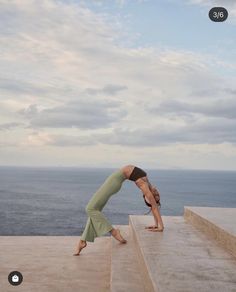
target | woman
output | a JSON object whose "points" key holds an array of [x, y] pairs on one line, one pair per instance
{"points": [[97, 224]]}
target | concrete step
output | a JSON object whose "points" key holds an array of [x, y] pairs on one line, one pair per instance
{"points": [[217, 223], [126, 272], [47, 264], [182, 258]]}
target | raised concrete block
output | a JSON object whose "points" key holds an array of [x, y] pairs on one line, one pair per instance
{"points": [[183, 258], [217, 223]]}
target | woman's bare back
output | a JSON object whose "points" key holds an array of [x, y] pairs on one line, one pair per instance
{"points": [[127, 170]]}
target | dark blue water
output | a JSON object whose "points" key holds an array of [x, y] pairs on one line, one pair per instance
{"points": [[52, 201]]}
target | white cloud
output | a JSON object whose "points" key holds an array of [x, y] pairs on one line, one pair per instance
{"points": [[219, 107], [85, 114], [65, 72], [37, 139], [8, 126], [44, 138]]}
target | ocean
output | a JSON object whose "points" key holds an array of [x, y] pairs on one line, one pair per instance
{"points": [[52, 200]]}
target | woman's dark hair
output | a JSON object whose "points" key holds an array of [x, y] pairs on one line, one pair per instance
{"points": [[157, 198]]}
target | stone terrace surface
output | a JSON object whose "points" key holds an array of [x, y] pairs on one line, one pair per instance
{"points": [[48, 265], [183, 258]]}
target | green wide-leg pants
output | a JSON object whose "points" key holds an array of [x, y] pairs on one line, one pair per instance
{"points": [[97, 224]]}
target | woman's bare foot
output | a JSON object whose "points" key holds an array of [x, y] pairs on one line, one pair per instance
{"points": [[116, 234], [81, 245]]}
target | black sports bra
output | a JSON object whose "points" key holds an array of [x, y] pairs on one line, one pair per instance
{"points": [[137, 173]]}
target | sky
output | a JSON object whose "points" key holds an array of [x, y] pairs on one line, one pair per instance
{"points": [[109, 83]]}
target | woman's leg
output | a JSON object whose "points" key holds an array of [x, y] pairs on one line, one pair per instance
{"points": [[116, 234], [80, 246], [97, 224]]}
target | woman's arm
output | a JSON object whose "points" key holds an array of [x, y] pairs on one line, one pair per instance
{"points": [[157, 216], [144, 186], [149, 184]]}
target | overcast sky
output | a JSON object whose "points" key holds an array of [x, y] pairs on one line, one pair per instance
{"points": [[108, 83]]}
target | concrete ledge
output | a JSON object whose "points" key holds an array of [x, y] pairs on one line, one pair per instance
{"points": [[149, 283], [126, 273], [217, 223]]}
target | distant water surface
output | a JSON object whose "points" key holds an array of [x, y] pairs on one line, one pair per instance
{"points": [[52, 201]]}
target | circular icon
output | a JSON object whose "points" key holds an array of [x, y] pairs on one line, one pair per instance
{"points": [[218, 14], [15, 278]]}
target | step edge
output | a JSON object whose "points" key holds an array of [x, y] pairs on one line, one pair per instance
{"points": [[112, 288], [151, 286]]}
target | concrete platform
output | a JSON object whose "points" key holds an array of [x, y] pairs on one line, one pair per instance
{"points": [[217, 223], [183, 258], [47, 264]]}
